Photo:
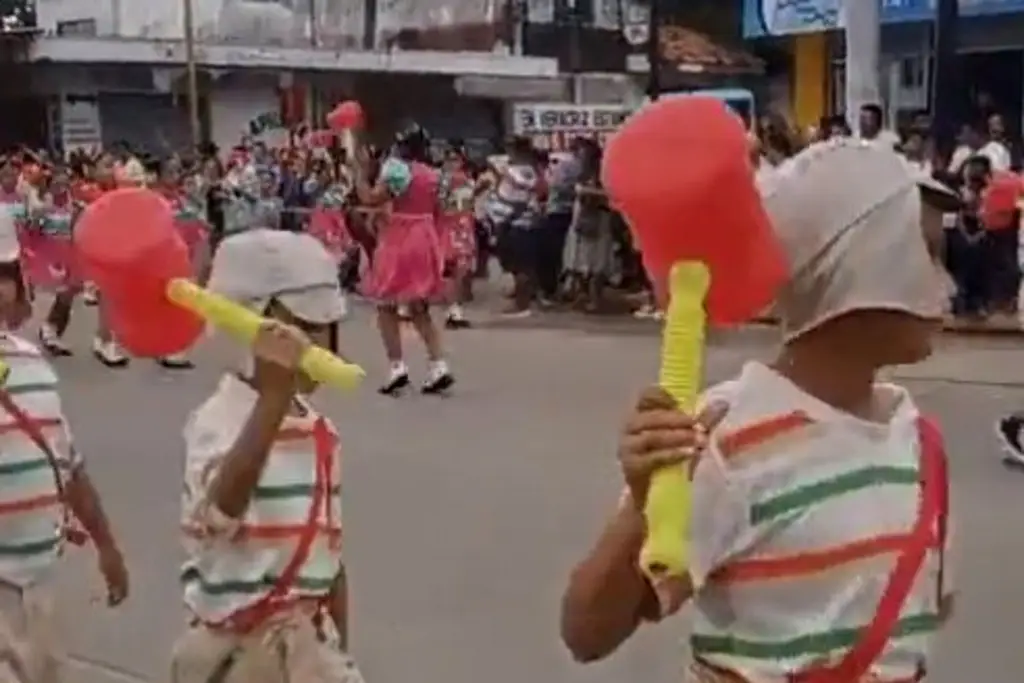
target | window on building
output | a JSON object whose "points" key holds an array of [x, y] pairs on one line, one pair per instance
{"points": [[77, 27]]}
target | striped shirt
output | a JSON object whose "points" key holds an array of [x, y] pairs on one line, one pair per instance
{"points": [[233, 563], [31, 513], [514, 200], [798, 512]]}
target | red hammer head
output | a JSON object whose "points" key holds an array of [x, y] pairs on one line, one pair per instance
{"points": [[679, 171]]}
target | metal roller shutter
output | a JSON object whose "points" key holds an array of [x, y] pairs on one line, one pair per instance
{"points": [[151, 122]]}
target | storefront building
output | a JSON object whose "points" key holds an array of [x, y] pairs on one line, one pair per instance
{"points": [[991, 40]]}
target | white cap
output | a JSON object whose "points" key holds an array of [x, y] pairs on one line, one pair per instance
{"points": [[10, 247], [260, 265]]}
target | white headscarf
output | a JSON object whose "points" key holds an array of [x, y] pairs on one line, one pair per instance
{"points": [[848, 215]]}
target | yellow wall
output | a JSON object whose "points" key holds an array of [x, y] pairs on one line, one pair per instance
{"points": [[810, 78]]}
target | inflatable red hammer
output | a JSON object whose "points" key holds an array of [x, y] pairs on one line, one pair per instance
{"points": [[346, 119], [127, 244], [678, 171]]}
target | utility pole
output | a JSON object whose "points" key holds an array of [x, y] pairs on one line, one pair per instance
{"points": [[862, 21], [575, 50], [314, 42], [654, 50], [946, 81], [191, 74]]}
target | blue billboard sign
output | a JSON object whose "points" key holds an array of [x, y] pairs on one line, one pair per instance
{"points": [[786, 17]]}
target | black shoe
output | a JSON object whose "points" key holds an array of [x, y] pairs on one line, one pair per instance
{"points": [[439, 385], [395, 386], [457, 324], [1010, 430], [54, 347], [175, 363]]}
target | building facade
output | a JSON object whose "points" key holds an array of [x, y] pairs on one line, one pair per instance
{"points": [[991, 37], [118, 66]]}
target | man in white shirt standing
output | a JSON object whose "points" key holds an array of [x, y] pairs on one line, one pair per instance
{"points": [[869, 128], [996, 149]]}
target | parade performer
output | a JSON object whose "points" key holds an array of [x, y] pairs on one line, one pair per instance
{"points": [[407, 266], [50, 240], [12, 199], [458, 235], [327, 219], [45, 490], [818, 529], [262, 506], [84, 191], [328, 225], [189, 219], [109, 177]]}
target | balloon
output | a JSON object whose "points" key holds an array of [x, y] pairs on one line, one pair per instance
{"points": [[346, 116], [127, 244], [679, 172], [1000, 199]]}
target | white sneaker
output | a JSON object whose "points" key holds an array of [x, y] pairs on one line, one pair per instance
{"points": [[109, 353]]}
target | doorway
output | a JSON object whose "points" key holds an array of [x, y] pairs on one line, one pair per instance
{"points": [[994, 84]]}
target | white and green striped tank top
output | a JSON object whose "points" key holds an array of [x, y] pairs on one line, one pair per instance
{"points": [[232, 566], [799, 510], [31, 512]]}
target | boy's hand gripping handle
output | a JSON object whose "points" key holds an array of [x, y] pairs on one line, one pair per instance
{"points": [[666, 551], [238, 321]]}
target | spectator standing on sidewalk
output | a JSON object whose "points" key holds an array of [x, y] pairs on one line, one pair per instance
{"points": [[565, 175], [512, 213], [997, 149], [966, 248], [871, 127]]}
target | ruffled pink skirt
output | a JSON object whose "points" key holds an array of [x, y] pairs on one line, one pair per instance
{"points": [[48, 261], [329, 227], [458, 238], [408, 262]]}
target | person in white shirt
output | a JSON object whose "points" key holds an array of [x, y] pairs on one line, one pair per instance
{"points": [[47, 499], [870, 128], [915, 150], [807, 470], [969, 141], [261, 512], [996, 149]]}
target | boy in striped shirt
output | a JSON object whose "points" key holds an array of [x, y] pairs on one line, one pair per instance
{"points": [[263, 579], [44, 487], [818, 530]]}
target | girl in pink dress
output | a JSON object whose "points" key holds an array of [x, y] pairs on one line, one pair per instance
{"points": [[47, 253], [327, 220], [458, 236], [407, 264]]}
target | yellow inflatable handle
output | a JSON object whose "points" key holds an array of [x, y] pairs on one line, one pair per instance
{"points": [[666, 551], [238, 321]]}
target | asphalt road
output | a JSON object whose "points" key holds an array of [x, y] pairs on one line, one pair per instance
{"points": [[463, 515]]}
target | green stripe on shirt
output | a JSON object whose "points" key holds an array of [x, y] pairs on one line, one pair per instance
{"points": [[30, 547], [848, 482], [289, 491], [811, 644], [31, 387], [11, 468]]}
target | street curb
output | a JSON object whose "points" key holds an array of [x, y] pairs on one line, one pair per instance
{"points": [[966, 329], [630, 326]]}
